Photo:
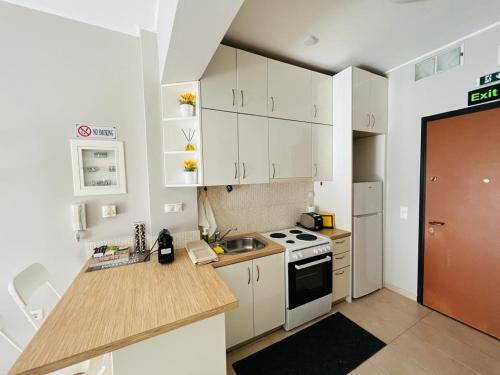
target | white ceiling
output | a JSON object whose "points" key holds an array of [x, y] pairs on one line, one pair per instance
{"points": [[119, 15], [376, 34]]}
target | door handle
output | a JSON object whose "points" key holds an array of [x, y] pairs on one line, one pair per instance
{"points": [[258, 273], [235, 170], [369, 120], [373, 116], [241, 97], [272, 103], [244, 170], [234, 96], [249, 279], [438, 223], [274, 170]]}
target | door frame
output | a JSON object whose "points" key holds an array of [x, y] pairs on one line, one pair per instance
{"points": [[423, 160]]}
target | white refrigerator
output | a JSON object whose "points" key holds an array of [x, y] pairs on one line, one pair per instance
{"points": [[367, 238]]}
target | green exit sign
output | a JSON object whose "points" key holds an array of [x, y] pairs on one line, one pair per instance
{"points": [[485, 94]]}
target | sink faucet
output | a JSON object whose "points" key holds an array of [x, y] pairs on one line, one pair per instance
{"points": [[219, 237]]}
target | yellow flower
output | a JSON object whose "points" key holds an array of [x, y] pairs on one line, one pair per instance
{"points": [[187, 98], [190, 165]]}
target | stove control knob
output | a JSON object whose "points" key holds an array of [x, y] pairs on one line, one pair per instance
{"points": [[294, 256], [315, 251], [300, 256]]}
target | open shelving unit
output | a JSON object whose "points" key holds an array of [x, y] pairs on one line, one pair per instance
{"points": [[174, 142]]}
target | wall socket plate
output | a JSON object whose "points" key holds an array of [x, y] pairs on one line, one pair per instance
{"points": [[37, 314], [403, 212], [173, 207]]}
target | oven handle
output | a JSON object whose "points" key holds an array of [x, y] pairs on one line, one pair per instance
{"points": [[319, 261]]}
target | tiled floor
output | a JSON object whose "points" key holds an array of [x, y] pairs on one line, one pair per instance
{"points": [[419, 340]]}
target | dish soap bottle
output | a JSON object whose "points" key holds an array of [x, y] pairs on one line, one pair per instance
{"points": [[204, 235]]}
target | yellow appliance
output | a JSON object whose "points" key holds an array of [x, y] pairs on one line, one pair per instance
{"points": [[328, 219]]}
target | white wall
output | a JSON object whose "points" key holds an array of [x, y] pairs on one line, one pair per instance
{"points": [[409, 101], [55, 72]]}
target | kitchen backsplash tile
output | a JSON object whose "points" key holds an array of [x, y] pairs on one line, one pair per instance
{"points": [[259, 208]]}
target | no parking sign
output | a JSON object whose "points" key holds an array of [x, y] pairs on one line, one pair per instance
{"points": [[91, 131]]}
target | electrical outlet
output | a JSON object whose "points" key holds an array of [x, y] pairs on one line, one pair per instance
{"points": [[37, 314], [172, 207], [403, 212]]}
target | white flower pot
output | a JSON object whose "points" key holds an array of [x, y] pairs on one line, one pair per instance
{"points": [[186, 110], [190, 178]]}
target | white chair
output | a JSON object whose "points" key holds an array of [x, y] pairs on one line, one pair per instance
{"points": [[8, 339], [22, 288]]}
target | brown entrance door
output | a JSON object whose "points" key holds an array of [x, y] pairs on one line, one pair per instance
{"points": [[461, 242]]}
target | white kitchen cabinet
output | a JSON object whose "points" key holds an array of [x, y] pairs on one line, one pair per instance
{"points": [[218, 83], [289, 91], [321, 92], [259, 286], [340, 283], [369, 102], [322, 149], [220, 147], [268, 293], [253, 149], [251, 71], [289, 149], [239, 322]]}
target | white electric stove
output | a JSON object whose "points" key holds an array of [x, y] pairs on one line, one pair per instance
{"points": [[308, 270]]}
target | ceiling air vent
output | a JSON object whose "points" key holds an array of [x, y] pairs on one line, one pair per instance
{"points": [[439, 63]]}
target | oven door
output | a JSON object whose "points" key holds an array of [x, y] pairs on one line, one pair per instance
{"points": [[309, 279]]}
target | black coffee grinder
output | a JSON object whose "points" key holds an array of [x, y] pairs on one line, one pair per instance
{"points": [[165, 247]]}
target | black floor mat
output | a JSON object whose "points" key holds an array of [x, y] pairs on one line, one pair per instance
{"points": [[333, 346]]}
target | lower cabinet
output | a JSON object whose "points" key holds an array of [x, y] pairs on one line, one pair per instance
{"points": [[341, 280], [259, 286]]}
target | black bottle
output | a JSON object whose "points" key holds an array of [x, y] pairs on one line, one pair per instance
{"points": [[165, 247]]}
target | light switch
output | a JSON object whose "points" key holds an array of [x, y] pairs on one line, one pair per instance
{"points": [[108, 210], [173, 207], [403, 212]]}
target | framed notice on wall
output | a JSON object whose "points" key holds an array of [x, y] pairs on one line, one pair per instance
{"points": [[98, 167]]}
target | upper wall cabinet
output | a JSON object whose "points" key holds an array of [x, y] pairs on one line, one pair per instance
{"points": [[289, 149], [369, 102], [218, 84], [235, 81], [251, 71], [322, 152], [321, 91], [289, 91]]}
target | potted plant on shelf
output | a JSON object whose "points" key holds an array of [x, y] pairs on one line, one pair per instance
{"points": [[189, 138], [190, 175], [187, 102]]}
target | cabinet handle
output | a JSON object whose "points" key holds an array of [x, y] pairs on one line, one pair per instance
{"points": [[241, 91], [274, 170], [235, 170], [342, 257], [234, 96], [258, 273], [339, 273], [369, 120], [373, 116], [249, 278], [340, 241], [244, 170], [315, 110], [315, 170], [272, 103]]}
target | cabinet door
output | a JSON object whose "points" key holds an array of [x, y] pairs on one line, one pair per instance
{"points": [[361, 106], [289, 149], [220, 147], [239, 322], [251, 70], [340, 283], [379, 103], [218, 83], [322, 104], [322, 148], [253, 135], [268, 293], [289, 90]]}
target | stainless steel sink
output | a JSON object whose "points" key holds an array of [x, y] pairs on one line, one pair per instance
{"points": [[238, 245]]}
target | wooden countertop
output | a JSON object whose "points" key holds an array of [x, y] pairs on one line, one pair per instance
{"points": [[335, 234], [271, 248], [106, 310]]}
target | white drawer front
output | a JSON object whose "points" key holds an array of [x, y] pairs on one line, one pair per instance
{"points": [[341, 245], [340, 281], [341, 260]]}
